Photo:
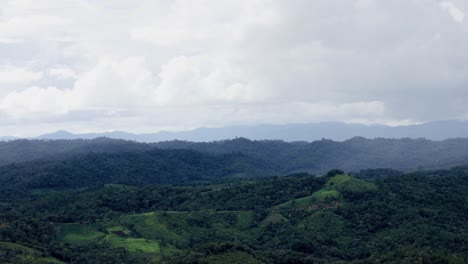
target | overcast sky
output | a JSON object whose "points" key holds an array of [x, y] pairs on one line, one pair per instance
{"points": [[146, 65]]}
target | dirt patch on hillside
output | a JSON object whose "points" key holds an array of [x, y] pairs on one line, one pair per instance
{"points": [[119, 233]]}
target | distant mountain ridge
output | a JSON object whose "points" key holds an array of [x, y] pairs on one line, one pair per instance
{"points": [[337, 131], [283, 157], [8, 138]]}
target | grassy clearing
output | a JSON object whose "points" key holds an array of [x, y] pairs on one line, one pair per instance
{"points": [[164, 233], [79, 234], [149, 226], [326, 195], [133, 245], [348, 184], [333, 190], [297, 202], [182, 228], [114, 236], [338, 180]]}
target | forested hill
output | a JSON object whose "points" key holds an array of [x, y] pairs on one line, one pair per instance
{"points": [[412, 218], [141, 168], [351, 155], [21, 150], [314, 157]]}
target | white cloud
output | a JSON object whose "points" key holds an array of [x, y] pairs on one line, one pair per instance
{"points": [[201, 80], [113, 83], [62, 72], [8, 40], [35, 26], [35, 100], [11, 75], [456, 13]]}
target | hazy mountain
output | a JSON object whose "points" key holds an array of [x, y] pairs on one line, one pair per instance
{"points": [[25, 150], [62, 134], [286, 157], [7, 138], [350, 155], [289, 132]]}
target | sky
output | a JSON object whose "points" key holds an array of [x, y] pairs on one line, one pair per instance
{"points": [[151, 65]]}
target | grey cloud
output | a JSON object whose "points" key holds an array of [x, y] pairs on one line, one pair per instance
{"points": [[257, 62]]}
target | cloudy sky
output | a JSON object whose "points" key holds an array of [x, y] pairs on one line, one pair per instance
{"points": [[148, 65]]}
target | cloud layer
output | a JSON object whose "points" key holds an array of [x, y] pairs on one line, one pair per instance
{"points": [[149, 65]]}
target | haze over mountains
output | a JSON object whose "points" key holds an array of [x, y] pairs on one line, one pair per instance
{"points": [[337, 131], [274, 157]]}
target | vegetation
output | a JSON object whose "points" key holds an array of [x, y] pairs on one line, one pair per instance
{"points": [[280, 157], [152, 167], [419, 217]]}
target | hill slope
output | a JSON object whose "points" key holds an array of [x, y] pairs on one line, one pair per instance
{"points": [[152, 167], [412, 218]]}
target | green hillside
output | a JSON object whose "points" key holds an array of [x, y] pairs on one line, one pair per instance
{"points": [[412, 218], [334, 190], [15, 253]]}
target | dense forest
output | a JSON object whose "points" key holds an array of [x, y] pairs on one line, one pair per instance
{"points": [[374, 216], [316, 157], [234, 201], [140, 168]]}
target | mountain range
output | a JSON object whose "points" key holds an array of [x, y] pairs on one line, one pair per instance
{"points": [[275, 156], [438, 130]]}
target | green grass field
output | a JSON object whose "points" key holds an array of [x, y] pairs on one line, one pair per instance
{"points": [[160, 233], [114, 236], [346, 183], [179, 228], [333, 190], [79, 234], [133, 245]]}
